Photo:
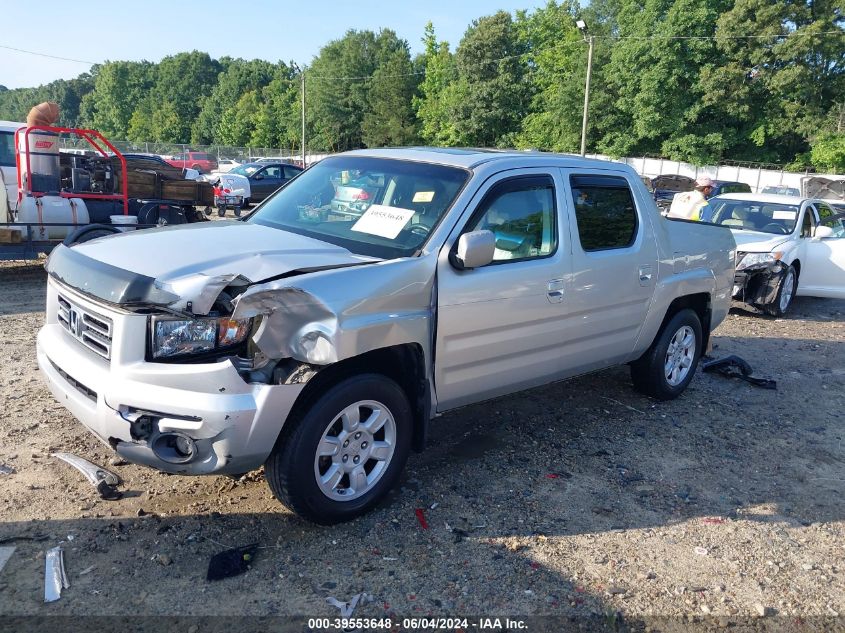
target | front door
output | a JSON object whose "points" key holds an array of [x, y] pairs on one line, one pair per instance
{"points": [[501, 327], [823, 257]]}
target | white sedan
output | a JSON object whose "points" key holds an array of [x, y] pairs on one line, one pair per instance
{"points": [[786, 246], [225, 165]]}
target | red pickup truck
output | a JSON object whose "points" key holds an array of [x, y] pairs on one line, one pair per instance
{"points": [[202, 162]]}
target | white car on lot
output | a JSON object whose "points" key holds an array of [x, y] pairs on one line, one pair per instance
{"points": [[786, 246], [225, 165]]}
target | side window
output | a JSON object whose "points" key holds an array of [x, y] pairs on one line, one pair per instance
{"points": [[807, 223], [272, 172], [290, 172], [604, 211], [825, 211], [7, 149], [521, 214]]}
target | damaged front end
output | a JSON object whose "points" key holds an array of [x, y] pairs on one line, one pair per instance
{"points": [[758, 278], [202, 371]]}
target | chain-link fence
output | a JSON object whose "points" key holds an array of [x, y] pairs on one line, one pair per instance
{"points": [[168, 150]]}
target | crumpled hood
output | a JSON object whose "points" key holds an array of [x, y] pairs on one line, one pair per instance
{"points": [[756, 241], [824, 188], [177, 265]]}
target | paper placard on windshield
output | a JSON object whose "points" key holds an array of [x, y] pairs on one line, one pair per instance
{"points": [[784, 215], [423, 196], [383, 221]]}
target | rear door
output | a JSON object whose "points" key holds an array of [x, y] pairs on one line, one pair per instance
{"points": [[823, 257], [614, 268], [502, 327]]}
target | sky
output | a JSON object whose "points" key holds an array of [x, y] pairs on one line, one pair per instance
{"points": [[96, 31]]}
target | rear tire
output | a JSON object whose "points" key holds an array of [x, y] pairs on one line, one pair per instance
{"points": [[364, 459], [786, 293], [667, 368]]}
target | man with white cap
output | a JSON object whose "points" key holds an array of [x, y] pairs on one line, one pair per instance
{"points": [[692, 205]]}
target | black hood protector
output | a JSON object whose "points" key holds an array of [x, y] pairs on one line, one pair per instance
{"points": [[103, 281]]}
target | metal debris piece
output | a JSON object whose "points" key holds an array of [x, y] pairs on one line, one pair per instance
{"points": [[6, 470], [5, 555], [87, 570], [348, 608], [55, 576], [103, 480], [736, 367]]}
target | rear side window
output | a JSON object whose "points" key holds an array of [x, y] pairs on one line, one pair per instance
{"points": [[291, 172], [604, 211], [7, 149]]}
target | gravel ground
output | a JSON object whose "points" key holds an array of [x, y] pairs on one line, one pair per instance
{"points": [[577, 499]]}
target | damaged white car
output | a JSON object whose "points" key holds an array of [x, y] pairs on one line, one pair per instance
{"points": [[320, 343], [788, 246]]}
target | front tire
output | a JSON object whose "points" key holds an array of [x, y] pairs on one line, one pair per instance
{"points": [[786, 292], [337, 460], [667, 368]]}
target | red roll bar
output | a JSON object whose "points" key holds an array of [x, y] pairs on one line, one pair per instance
{"points": [[88, 136]]}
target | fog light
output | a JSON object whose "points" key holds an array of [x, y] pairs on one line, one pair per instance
{"points": [[174, 448]]}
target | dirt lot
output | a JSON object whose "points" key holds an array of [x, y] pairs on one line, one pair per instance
{"points": [[574, 499]]}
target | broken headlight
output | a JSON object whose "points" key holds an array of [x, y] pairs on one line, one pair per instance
{"points": [[179, 337], [757, 259]]}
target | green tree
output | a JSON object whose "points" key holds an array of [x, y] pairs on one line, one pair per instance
{"points": [[118, 89], [339, 83], [828, 153], [183, 81], [653, 79], [390, 119], [239, 77], [778, 92], [238, 122], [488, 101], [556, 67], [430, 104]]}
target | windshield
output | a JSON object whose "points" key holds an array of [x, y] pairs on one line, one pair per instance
{"points": [[752, 215], [371, 206], [245, 170]]}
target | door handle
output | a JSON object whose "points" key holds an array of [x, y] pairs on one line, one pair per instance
{"points": [[645, 275], [555, 287]]}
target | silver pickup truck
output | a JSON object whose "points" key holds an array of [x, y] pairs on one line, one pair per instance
{"points": [[319, 335]]}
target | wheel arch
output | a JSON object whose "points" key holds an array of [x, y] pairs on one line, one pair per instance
{"points": [[700, 303], [404, 364]]}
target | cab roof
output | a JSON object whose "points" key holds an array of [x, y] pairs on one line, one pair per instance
{"points": [[469, 158]]}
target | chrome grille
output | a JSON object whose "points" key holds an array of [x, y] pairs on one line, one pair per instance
{"points": [[94, 331]]}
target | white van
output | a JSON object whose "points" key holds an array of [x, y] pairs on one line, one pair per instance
{"points": [[8, 171]]}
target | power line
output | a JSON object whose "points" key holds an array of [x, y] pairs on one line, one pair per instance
{"points": [[720, 37], [66, 59]]}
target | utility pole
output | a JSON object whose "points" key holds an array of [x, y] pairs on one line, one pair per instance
{"points": [[302, 74], [582, 26]]}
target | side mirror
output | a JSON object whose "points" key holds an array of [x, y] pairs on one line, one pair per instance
{"points": [[822, 232], [474, 250]]}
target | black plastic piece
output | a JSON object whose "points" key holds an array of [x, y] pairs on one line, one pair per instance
{"points": [[231, 562]]}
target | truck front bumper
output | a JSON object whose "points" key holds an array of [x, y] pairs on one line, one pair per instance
{"points": [[140, 408]]}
